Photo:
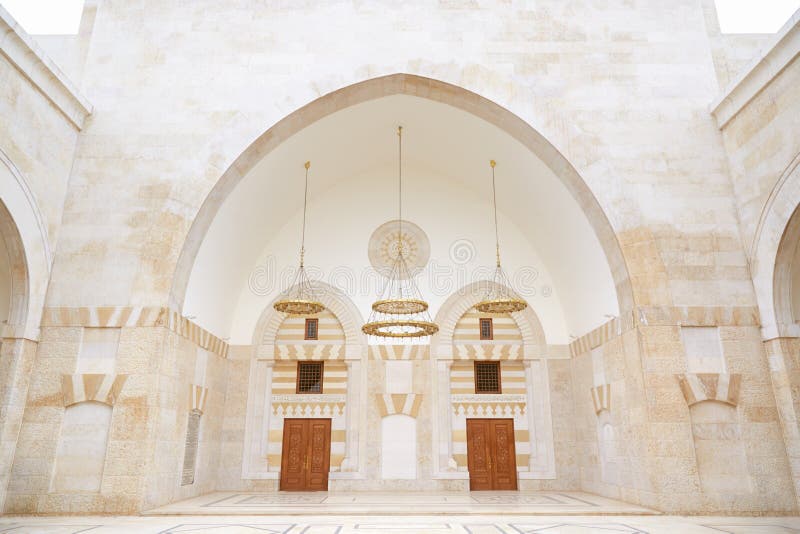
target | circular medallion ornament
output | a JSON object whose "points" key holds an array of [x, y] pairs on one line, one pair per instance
{"points": [[383, 247]]}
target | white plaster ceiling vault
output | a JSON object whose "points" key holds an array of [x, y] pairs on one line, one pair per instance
{"points": [[447, 192]]}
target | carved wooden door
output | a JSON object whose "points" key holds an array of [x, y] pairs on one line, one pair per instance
{"points": [[306, 454], [491, 455]]}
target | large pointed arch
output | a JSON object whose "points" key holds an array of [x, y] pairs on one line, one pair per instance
{"points": [[772, 251], [422, 87], [24, 232]]}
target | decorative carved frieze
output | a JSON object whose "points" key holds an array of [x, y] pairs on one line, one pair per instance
{"points": [[601, 398], [701, 387], [309, 351], [321, 405], [91, 387], [489, 405], [488, 351], [399, 403]]}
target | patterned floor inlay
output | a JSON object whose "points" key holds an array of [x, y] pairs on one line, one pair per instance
{"points": [[388, 524], [216, 528], [536, 499], [394, 503], [575, 528], [772, 528], [269, 499], [46, 529], [364, 528]]}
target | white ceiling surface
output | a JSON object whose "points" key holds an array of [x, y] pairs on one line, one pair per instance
{"points": [[447, 192]]}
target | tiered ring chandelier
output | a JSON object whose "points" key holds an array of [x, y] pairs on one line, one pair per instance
{"points": [[499, 297], [301, 298], [400, 312]]}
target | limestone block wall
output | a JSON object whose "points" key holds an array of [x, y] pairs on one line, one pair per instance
{"points": [[671, 447], [183, 368], [41, 114], [640, 143], [762, 140], [610, 416], [141, 364]]}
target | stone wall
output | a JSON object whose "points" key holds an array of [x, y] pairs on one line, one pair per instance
{"points": [[662, 449], [622, 92]]}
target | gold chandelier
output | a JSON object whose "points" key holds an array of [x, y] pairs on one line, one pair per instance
{"points": [[499, 297], [301, 298], [400, 312]]}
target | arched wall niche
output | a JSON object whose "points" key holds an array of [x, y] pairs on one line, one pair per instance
{"points": [[772, 255], [334, 300], [29, 257], [460, 302], [432, 90]]}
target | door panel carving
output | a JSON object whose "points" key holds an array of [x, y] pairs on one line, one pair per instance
{"points": [[491, 456], [306, 455]]}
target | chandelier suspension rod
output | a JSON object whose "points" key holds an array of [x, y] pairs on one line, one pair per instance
{"points": [[400, 190], [305, 204], [494, 204]]}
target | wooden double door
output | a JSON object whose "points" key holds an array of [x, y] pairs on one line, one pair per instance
{"points": [[491, 455], [306, 454]]}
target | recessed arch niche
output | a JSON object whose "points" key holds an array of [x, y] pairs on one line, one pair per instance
{"points": [[551, 222]]}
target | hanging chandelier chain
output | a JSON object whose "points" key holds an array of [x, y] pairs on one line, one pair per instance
{"points": [[494, 203], [300, 299], [400, 313], [305, 205], [400, 190]]}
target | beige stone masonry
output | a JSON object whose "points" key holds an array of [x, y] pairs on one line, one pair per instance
{"points": [[30, 59], [783, 50], [135, 316]]}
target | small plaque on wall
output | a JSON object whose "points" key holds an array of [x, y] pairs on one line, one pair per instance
{"points": [[190, 450]]}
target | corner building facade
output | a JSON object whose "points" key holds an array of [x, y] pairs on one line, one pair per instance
{"points": [[151, 174]]}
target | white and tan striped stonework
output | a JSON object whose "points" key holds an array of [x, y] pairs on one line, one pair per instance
{"points": [[103, 388], [511, 404], [399, 404], [505, 329], [399, 352], [292, 330], [286, 403], [133, 316]]}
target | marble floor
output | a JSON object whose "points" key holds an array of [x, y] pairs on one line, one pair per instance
{"points": [[396, 503], [481, 524]]}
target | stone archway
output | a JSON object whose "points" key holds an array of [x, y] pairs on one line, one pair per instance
{"points": [[771, 254], [541, 462], [260, 383], [468, 296], [427, 88], [24, 233], [334, 300]]}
